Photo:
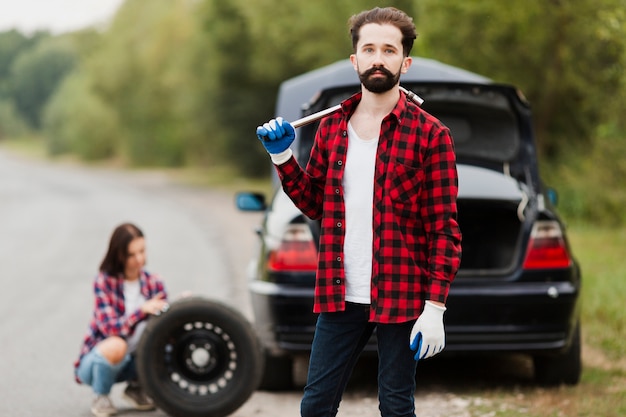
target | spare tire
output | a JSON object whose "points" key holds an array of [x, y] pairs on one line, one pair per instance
{"points": [[199, 359]]}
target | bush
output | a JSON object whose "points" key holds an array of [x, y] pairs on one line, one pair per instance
{"points": [[589, 181], [11, 124], [77, 121]]}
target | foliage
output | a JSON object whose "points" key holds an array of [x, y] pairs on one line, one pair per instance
{"points": [[76, 101], [12, 43], [567, 56], [11, 124], [599, 251], [222, 113], [185, 82], [137, 72], [588, 179], [35, 74]]}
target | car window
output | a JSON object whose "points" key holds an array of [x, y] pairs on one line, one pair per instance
{"points": [[481, 120], [481, 132]]}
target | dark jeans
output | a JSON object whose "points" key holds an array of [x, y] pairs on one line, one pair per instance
{"points": [[339, 339]]}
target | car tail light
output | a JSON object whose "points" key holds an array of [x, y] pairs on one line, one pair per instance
{"points": [[547, 248], [296, 252]]}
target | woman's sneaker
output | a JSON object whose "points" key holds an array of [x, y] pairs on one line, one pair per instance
{"points": [[102, 406], [138, 398]]}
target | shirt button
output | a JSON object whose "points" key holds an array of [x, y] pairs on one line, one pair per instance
{"points": [[339, 163], [338, 258], [336, 190], [337, 281], [344, 133], [338, 224]]}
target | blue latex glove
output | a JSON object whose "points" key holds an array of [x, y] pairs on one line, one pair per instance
{"points": [[276, 135], [428, 336]]}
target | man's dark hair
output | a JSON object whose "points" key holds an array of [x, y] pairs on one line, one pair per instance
{"points": [[385, 15], [115, 259]]}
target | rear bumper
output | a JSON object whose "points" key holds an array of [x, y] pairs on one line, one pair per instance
{"points": [[516, 317]]}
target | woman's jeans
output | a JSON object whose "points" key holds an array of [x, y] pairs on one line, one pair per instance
{"points": [[339, 339], [98, 372]]}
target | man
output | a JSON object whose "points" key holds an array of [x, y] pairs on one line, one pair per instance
{"points": [[382, 179]]}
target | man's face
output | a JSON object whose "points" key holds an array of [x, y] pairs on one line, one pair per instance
{"points": [[379, 59]]}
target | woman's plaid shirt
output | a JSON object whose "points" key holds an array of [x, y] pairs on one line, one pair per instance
{"points": [[109, 318], [416, 237]]}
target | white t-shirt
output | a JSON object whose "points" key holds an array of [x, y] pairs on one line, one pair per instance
{"points": [[133, 300], [358, 186]]}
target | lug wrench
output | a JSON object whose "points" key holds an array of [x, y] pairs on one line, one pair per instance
{"points": [[322, 113]]}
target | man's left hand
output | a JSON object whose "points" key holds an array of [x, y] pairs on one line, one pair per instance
{"points": [[428, 336]]}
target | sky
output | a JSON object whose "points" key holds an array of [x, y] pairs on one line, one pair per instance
{"points": [[56, 16]]}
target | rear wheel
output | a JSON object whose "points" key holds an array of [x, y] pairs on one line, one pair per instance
{"points": [[201, 358], [564, 368], [277, 373]]}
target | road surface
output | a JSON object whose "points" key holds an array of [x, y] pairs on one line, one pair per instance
{"points": [[55, 222]]}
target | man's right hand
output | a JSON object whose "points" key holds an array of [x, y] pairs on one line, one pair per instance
{"points": [[276, 135]]}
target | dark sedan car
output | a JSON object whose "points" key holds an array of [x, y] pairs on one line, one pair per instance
{"points": [[518, 286]]}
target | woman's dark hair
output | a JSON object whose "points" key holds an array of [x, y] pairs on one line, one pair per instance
{"points": [[115, 259], [385, 15]]}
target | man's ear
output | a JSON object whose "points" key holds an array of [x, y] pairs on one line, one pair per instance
{"points": [[406, 64], [354, 63]]}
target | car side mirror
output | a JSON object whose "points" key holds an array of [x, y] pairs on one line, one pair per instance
{"points": [[247, 201], [552, 195]]}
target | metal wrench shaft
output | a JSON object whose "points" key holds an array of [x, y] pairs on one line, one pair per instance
{"points": [[323, 113]]}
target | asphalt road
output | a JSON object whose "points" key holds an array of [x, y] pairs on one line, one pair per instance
{"points": [[55, 223]]}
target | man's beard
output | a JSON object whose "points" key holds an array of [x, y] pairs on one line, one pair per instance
{"points": [[379, 84]]}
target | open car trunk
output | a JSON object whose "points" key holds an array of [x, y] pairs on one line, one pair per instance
{"points": [[490, 125], [491, 216]]}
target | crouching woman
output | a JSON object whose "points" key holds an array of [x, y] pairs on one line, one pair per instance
{"points": [[125, 296]]}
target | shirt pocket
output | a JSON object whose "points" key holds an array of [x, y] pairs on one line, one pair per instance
{"points": [[406, 183]]}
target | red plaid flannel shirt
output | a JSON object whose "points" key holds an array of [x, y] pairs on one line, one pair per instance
{"points": [[417, 241], [108, 315]]}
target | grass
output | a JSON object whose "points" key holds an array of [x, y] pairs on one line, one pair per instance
{"points": [[31, 146], [600, 252], [600, 393]]}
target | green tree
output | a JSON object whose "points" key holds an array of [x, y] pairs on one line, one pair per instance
{"points": [[139, 72], [36, 73], [76, 120], [563, 54], [12, 44], [230, 94]]}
